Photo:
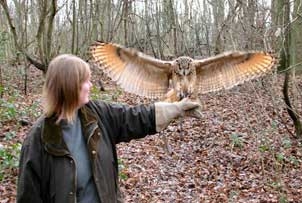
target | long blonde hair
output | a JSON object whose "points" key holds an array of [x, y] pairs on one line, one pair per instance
{"points": [[62, 87]]}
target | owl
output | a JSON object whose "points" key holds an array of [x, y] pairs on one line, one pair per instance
{"points": [[171, 81]]}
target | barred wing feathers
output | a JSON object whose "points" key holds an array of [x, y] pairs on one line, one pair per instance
{"points": [[229, 69], [134, 71]]}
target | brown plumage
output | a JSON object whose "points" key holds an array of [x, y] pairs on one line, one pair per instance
{"points": [[144, 75]]}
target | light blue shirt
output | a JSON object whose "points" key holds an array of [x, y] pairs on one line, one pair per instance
{"points": [[74, 139]]}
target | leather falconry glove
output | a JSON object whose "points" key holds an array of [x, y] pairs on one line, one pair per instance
{"points": [[165, 112]]}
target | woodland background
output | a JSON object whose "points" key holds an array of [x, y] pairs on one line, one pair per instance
{"points": [[247, 148]]}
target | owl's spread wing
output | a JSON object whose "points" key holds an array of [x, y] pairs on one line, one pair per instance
{"points": [[134, 71], [226, 70]]}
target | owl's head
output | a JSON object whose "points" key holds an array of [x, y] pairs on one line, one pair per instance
{"points": [[183, 76], [183, 66]]}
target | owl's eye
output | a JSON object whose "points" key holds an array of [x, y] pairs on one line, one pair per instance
{"points": [[177, 70]]}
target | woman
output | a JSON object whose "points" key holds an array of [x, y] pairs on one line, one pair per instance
{"points": [[69, 155]]}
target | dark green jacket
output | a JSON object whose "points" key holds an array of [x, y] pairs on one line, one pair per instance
{"points": [[47, 170]]}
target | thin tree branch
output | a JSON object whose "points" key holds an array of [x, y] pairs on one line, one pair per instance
{"points": [[37, 64]]}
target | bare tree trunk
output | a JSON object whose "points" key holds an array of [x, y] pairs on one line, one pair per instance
{"points": [[251, 13], [285, 63], [97, 25], [148, 36], [277, 20], [125, 20], [41, 28], [74, 27], [81, 24], [169, 21], [291, 112], [26, 67], [39, 65], [296, 34], [174, 26], [21, 25], [146, 14], [158, 36], [49, 31], [1, 82], [207, 15], [218, 14], [109, 21], [25, 36]]}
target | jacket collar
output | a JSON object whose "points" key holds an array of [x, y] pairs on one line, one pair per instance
{"points": [[52, 136]]}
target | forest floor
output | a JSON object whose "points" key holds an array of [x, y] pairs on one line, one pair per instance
{"points": [[242, 150]]}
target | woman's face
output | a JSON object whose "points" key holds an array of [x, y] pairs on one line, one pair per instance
{"points": [[85, 92]]}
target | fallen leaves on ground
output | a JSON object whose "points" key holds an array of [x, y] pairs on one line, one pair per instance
{"points": [[242, 150]]}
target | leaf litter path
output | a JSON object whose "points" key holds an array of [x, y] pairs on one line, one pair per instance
{"points": [[242, 150]]}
